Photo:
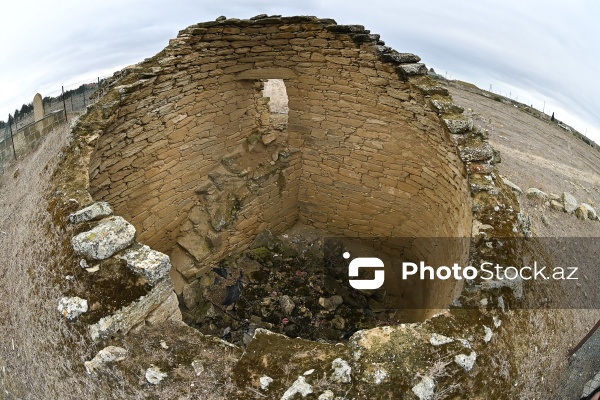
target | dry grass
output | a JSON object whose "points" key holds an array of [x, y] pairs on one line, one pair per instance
{"points": [[34, 361], [41, 354]]}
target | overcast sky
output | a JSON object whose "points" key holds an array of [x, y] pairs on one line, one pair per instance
{"points": [[541, 51]]}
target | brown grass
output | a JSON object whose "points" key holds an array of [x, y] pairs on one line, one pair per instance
{"points": [[41, 354]]}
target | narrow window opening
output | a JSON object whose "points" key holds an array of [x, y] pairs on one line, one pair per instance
{"points": [[274, 89]]}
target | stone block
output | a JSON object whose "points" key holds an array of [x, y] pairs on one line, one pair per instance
{"points": [[107, 238]]}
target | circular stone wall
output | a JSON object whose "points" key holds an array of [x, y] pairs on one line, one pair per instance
{"points": [[191, 159]]}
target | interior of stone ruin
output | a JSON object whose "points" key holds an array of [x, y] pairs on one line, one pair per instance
{"points": [[237, 168]]}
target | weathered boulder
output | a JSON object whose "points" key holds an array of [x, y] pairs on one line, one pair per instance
{"points": [[537, 194], [106, 355], [72, 307], [151, 264], [109, 237], [92, 212], [569, 202]]}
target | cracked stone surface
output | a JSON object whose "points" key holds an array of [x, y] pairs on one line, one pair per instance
{"points": [[109, 237]]}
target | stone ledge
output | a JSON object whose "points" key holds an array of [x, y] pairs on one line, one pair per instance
{"points": [[129, 316], [107, 238], [151, 264], [92, 212]]}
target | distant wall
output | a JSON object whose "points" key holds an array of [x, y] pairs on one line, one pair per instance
{"points": [[28, 137]]}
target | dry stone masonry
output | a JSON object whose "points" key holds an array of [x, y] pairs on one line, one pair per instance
{"points": [[182, 149]]}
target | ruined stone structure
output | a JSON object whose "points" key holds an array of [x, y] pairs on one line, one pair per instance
{"points": [[181, 147], [190, 163]]}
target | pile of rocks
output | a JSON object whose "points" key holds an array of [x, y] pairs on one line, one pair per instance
{"points": [[565, 202]]}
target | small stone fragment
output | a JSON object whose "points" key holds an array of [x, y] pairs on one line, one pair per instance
{"points": [[72, 307], [569, 202], [327, 395], [198, 366], [106, 355], [466, 362], [154, 375], [287, 305], [425, 389], [341, 371], [331, 303], [438, 340], [488, 334], [298, 387], [265, 381]]}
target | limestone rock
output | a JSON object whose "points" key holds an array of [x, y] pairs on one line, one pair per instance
{"points": [[588, 210], [327, 395], [133, 314], [331, 303], [95, 211], [192, 294], [438, 340], [581, 213], [195, 245], [154, 375], [413, 69], [269, 138], [425, 389], [109, 237], [198, 367], [535, 193], [265, 381], [554, 196], [287, 305], [569, 202], [557, 205], [107, 355], [298, 387], [151, 264], [512, 186], [341, 371], [458, 125], [72, 307], [167, 310], [466, 362]]}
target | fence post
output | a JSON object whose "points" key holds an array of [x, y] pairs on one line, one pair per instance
{"points": [[64, 104], [12, 140]]}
